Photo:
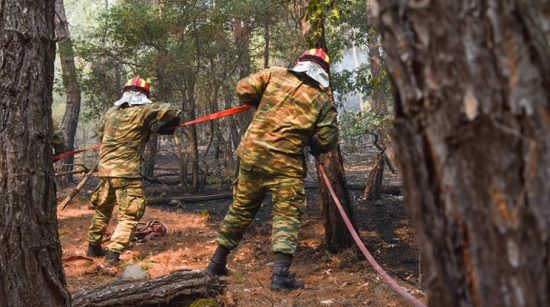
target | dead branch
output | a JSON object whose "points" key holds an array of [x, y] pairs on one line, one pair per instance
{"points": [[390, 189], [77, 189]]}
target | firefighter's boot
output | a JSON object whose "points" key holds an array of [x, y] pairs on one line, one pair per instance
{"points": [[282, 279], [216, 267], [95, 250], [112, 258]]}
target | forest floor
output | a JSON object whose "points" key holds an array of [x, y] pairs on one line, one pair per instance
{"points": [[344, 279]]}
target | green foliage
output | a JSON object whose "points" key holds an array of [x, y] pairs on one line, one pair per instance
{"points": [[362, 81], [204, 302], [356, 126], [192, 53]]}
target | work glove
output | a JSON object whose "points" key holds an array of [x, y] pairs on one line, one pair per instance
{"points": [[254, 103], [315, 146], [169, 127]]}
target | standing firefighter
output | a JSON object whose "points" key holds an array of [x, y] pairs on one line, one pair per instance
{"points": [[294, 111], [124, 134]]}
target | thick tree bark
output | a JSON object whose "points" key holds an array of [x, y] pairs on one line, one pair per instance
{"points": [[336, 235], [31, 272], [472, 127], [177, 289], [70, 82]]}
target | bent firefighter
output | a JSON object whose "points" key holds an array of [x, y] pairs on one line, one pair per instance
{"points": [[294, 110]]}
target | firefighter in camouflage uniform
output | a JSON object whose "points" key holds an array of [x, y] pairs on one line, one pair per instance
{"points": [[124, 133], [57, 139], [294, 110]]}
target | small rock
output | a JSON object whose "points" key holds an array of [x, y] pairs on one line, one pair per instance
{"points": [[134, 272]]}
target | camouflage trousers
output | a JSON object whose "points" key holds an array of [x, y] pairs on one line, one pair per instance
{"points": [[128, 193], [288, 205]]}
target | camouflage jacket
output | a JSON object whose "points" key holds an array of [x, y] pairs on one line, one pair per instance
{"points": [[291, 110], [124, 134], [58, 141]]}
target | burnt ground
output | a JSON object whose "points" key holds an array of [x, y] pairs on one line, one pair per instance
{"points": [[344, 279]]}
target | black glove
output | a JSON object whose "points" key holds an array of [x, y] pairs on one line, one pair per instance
{"points": [[315, 146], [253, 103], [169, 127]]}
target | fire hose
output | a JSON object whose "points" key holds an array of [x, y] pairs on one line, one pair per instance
{"points": [[386, 278]]}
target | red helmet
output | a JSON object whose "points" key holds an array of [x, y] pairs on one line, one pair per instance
{"points": [[318, 56], [138, 84]]}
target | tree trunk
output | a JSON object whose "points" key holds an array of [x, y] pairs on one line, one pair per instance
{"points": [[179, 135], [31, 272], [242, 32], [180, 288], [235, 136], [267, 37], [150, 155], [472, 124], [336, 235], [192, 142], [70, 83], [373, 190], [379, 106]]}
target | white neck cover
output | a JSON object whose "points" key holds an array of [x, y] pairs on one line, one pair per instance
{"points": [[133, 98], [314, 71]]}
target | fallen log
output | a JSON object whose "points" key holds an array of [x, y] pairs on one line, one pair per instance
{"points": [[181, 287], [188, 199], [79, 187], [388, 189], [391, 190]]}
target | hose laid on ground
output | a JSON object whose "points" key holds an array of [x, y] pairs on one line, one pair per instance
{"points": [[387, 279]]}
